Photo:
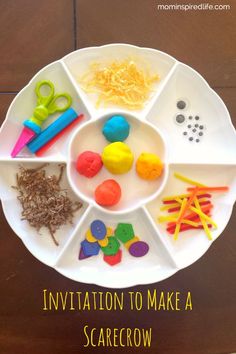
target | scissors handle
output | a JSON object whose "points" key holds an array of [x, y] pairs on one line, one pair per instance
{"points": [[55, 106], [44, 100]]}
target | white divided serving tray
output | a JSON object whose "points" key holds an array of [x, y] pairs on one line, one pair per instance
{"points": [[212, 161]]}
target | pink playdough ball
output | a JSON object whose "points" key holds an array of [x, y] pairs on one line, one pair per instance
{"points": [[89, 163], [108, 193]]}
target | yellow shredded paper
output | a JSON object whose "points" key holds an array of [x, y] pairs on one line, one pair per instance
{"points": [[121, 83]]}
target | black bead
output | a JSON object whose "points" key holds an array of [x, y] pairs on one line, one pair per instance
{"points": [[181, 104], [180, 118]]}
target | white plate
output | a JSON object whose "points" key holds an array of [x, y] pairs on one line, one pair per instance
{"points": [[153, 129]]}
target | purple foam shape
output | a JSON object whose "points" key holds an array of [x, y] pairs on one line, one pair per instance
{"points": [[139, 249], [82, 255]]}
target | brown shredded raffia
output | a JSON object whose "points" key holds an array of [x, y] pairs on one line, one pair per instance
{"points": [[43, 201]]}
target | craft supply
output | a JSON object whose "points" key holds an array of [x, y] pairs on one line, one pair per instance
{"points": [[123, 83], [149, 166], [98, 229], [187, 180], [98, 236], [43, 201], [89, 248], [177, 208], [124, 232], [82, 255], [130, 242], [179, 118], [89, 237], [117, 158], [203, 221], [194, 131], [139, 249], [52, 130], [185, 227], [46, 105], [210, 189], [180, 218], [51, 142], [113, 259], [172, 199], [89, 163], [108, 193], [116, 129], [103, 242], [181, 104], [186, 205], [112, 247], [194, 208]]}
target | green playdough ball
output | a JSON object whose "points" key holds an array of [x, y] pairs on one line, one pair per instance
{"points": [[116, 129]]}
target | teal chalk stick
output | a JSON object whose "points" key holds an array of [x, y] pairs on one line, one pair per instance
{"points": [[52, 130]]}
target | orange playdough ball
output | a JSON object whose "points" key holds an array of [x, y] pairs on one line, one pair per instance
{"points": [[149, 166], [108, 193]]}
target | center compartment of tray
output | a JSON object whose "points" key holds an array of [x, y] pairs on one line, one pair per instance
{"points": [[143, 137]]}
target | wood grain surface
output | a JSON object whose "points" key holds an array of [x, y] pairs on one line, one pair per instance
{"points": [[35, 33]]}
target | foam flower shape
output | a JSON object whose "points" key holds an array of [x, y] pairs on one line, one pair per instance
{"points": [[104, 241]]}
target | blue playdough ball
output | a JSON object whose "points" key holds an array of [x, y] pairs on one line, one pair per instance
{"points": [[116, 129]]}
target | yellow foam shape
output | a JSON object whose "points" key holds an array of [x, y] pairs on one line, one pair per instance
{"points": [[117, 158], [130, 242], [110, 232], [104, 242], [89, 237], [149, 166]]}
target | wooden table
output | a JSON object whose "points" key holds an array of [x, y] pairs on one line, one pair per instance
{"points": [[34, 34]]}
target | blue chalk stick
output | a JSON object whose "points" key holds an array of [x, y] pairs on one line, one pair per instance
{"points": [[52, 130]]}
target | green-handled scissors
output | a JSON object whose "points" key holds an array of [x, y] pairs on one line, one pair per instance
{"points": [[48, 104]]}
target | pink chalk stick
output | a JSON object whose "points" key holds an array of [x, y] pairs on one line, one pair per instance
{"points": [[25, 137]]}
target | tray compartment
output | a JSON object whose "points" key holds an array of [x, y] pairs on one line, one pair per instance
{"points": [[40, 244], [135, 191], [212, 162], [218, 142], [192, 244], [22, 108], [78, 63], [155, 264]]}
